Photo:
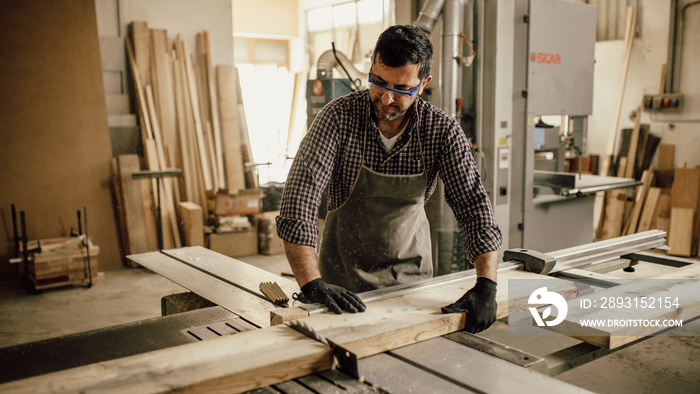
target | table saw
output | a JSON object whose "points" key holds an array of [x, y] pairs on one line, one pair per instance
{"points": [[402, 343]]}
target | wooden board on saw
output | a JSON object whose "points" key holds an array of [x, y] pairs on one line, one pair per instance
{"points": [[616, 336], [234, 364], [415, 317], [259, 358], [231, 270], [217, 290]]}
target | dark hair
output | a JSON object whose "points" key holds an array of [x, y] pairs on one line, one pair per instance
{"points": [[401, 45]]}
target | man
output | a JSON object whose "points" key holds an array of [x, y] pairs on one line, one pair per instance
{"points": [[379, 152]]}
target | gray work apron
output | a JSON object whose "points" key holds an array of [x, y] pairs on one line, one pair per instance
{"points": [[380, 235]]}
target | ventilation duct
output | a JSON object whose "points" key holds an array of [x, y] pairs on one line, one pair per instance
{"points": [[327, 62]]}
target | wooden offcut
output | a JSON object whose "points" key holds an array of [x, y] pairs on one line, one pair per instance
{"points": [[192, 223], [680, 240]]}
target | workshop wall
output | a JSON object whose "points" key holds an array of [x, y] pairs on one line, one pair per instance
{"points": [[54, 147], [649, 53]]}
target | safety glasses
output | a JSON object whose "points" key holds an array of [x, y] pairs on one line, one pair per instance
{"points": [[406, 92]]}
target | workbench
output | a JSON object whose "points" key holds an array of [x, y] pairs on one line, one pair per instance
{"points": [[401, 343]]}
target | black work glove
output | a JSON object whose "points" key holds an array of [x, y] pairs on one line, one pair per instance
{"points": [[480, 304], [336, 298]]}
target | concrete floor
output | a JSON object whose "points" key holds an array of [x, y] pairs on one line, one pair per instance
{"points": [[661, 364]]}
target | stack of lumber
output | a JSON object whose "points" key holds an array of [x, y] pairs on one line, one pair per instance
{"points": [[191, 118], [622, 215], [667, 200]]}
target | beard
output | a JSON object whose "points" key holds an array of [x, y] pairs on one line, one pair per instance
{"points": [[376, 108]]}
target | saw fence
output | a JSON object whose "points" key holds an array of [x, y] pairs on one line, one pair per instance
{"points": [[191, 119]]}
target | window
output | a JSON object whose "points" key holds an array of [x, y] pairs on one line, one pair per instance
{"points": [[267, 87], [353, 26]]}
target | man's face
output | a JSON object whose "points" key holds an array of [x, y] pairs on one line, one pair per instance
{"points": [[393, 89]]}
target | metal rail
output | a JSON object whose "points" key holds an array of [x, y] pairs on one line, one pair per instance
{"points": [[575, 257]]}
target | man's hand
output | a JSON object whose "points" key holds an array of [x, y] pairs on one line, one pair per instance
{"points": [[480, 304], [336, 298]]}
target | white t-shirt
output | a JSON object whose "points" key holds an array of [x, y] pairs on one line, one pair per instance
{"points": [[389, 142]]}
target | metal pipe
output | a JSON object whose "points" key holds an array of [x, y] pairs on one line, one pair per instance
{"points": [[429, 15], [452, 19]]}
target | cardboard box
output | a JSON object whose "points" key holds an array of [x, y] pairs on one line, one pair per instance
{"points": [[246, 202], [269, 242], [235, 244]]}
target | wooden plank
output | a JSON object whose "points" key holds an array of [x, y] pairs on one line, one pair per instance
{"points": [[231, 129], [184, 153], [666, 155], [251, 178], [415, 317], [132, 208], [631, 224], [630, 26], [192, 219], [163, 94], [167, 200], [141, 51], [634, 141], [271, 355], [254, 308], [685, 193], [233, 271], [233, 363], [649, 209], [612, 336], [680, 238], [686, 188], [213, 102], [612, 225], [194, 104]]}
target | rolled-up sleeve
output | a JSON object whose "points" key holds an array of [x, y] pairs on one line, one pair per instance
{"points": [[466, 195]]}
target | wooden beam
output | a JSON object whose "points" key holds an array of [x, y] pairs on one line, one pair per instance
{"points": [[230, 128], [234, 364]]}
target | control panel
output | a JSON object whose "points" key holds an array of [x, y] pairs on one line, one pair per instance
{"points": [[667, 102]]}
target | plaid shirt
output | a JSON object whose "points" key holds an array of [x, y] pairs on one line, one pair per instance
{"points": [[331, 155]]}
